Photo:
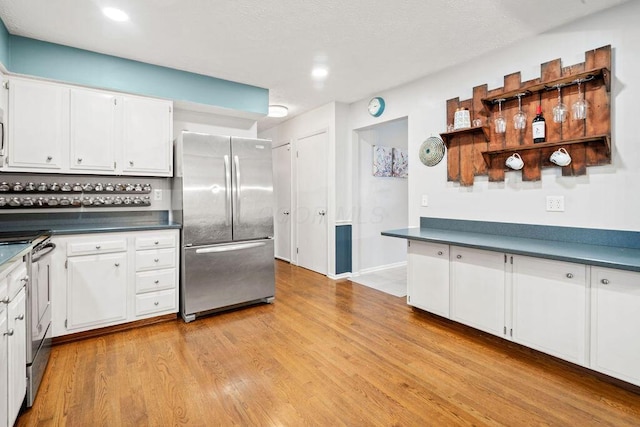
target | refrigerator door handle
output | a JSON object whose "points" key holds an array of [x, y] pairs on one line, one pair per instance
{"points": [[227, 182], [229, 248], [236, 211]]}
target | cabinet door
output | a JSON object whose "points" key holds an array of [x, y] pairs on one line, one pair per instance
{"points": [[38, 125], [478, 289], [17, 355], [147, 139], [428, 277], [96, 290], [4, 369], [549, 307], [92, 130], [615, 323]]}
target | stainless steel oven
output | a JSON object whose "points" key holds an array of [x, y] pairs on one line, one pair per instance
{"points": [[38, 314]]}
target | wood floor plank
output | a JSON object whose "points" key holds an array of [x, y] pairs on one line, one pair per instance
{"points": [[325, 353]]}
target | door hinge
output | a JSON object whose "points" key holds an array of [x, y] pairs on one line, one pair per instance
{"points": [[5, 84], [511, 260], [169, 108], [297, 250], [505, 258], [115, 101], [297, 154], [505, 330], [408, 243], [114, 165], [65, 323], [66, 263], [511, 332]]}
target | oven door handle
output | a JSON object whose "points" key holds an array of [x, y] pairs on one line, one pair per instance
{"points": [[45, 250]]}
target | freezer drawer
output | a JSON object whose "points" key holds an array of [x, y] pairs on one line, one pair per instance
{"points": [[224, 275]]}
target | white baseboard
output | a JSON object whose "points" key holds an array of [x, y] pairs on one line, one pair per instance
{"points": [[339, 276], [379, 268]]}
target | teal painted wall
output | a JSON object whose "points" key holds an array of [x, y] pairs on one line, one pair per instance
{"points": [[4, 45], [63, 63]]}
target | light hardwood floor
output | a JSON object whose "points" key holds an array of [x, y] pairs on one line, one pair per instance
{"points": [[326, 353]]}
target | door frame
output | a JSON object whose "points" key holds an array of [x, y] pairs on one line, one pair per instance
{"points": [[291, 197]]}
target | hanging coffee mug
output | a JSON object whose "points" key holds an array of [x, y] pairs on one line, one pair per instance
{"points": [[514, 162], [560, 157]]}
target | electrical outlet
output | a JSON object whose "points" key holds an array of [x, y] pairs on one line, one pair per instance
{"points": [[425, 200], [157, 194], [555, 203]]}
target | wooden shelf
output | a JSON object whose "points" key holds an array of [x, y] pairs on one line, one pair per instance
{"points": [[592, 74], [605, 140], [446, 136]]}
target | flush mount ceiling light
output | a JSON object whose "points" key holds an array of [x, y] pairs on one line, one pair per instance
{"points": [[319, 73], [278, 111], [115, 14]]}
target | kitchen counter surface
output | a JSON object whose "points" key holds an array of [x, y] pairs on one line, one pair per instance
{"points": [[12, 251], [623, 258]]}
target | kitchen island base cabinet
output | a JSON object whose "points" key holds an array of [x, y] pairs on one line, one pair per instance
{"points": [[478, 289], [615, 323], [96, 290], [428, 277], [17, 355], [549, 307]]}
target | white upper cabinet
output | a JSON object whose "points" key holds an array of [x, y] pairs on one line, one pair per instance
{"points": [[38, 126], [66, 129], [92, 139], [147, 139]]}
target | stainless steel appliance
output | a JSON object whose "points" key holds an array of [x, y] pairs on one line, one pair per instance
{"points": [[38, 314], [223, 196]]}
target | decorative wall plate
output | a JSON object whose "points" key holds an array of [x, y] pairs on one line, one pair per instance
{"points": [[432, 151]]}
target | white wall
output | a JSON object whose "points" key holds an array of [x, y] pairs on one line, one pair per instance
{"points": [[380, 203], [607, 197], [214, 124]]}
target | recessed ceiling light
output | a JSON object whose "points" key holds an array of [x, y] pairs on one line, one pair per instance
{"points": [[115, 14], [319, 73], [278, 111]]}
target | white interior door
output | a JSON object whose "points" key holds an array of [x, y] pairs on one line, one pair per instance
{"points": [[282, 189], [311, 205]]}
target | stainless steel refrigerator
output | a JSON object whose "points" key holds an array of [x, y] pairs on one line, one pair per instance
{"points": [[223, 196]]}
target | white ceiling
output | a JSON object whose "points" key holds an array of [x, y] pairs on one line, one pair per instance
{"points": [[368, 45]]}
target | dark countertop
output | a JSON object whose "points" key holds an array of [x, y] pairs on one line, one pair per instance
{"points": [[599, 255], [110, 228], [12, 251]]}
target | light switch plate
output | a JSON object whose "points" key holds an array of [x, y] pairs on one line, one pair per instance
{"points": [[425, 200], [157, 194], [555, 203]]}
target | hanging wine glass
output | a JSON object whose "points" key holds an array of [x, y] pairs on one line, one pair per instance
{"points": [[560, 110], [580, 107], [520, 118], [500, 123]]}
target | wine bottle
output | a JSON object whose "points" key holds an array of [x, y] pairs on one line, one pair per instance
{"points": [[539, 127]]}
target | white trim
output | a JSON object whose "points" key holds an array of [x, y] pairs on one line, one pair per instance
{"points": [[380, 268], [339, 276], [344, 222], [282, 259]]}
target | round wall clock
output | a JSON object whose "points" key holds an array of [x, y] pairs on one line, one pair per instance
{"points": [[376, 106]]}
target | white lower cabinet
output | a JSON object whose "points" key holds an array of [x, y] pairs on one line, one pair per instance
{"points": [[428, 277], [615, 323], [96, 290], [549, 307], [107, 281], [478, 289]]}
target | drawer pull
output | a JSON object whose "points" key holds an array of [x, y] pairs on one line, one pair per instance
{"points": [[20, 316], [156, 259], [79, 159], [156, 282], [156, 303], [569, 276], [9, 332], [459, 256], [49, 158], [97, 246], [156, 242], [439, 252], [5, 300], [117, 264], [605, 281]]}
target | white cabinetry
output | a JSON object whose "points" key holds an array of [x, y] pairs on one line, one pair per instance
{"points": [[4, 352], [428, 277], [113, 278], [147, 137], [92, 139], [67, 129], [615, 323], [549, 307], [478, 289], [38, 126]]}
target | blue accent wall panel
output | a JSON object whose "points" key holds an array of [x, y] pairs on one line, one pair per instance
{"points": [[4, 45], [67, 64], [343, 249]]}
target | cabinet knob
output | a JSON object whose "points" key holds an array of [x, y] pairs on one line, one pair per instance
{"points": [[156, 303], [20, 316], [49, 158], [156, 282], [459, 256], [130, 162], [604, 281], [439, 252], [9, 332], [79, 159], [286, 212], [117, 264], [25, 279], [5, 300], [156, 242], [97, 246], [156, 260], [569, 276]]}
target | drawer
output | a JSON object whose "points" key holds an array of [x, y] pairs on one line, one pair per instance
{"points": [[16, 280], [96, 246], [156, 241], [155, 280], [154, 302], [155, 259]]}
